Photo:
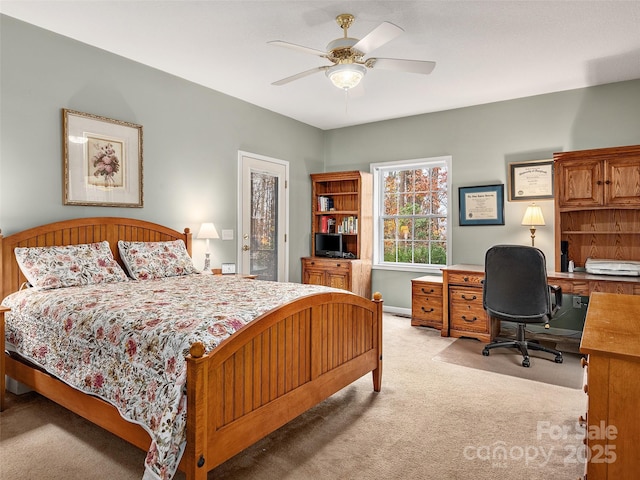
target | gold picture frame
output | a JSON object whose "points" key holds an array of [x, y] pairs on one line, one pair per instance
{"points": [[102, 161]]}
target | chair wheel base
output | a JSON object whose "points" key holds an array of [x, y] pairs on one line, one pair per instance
{"points": [[485, 352], [526, 362], [558, 359]]}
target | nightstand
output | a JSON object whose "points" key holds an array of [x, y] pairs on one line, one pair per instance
{"points": [[218, 271], [2, 355]]}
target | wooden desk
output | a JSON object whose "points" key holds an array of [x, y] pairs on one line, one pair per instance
{"points": [[463, 314], [611, 338]]}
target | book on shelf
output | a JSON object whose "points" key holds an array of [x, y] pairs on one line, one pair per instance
{"points": [[327, 224], [324, 224], [325, 203], [349, 225]]}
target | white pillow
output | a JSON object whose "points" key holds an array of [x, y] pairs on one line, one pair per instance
{"points": [[69, 265]]}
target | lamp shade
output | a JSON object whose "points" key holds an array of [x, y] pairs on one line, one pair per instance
{"points": [[208, 230], [533, 216]]}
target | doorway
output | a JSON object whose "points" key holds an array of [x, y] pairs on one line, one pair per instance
{"points": [[263, 217]]}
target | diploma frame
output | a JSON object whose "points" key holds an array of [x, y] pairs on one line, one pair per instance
{"points": [[531, 180], [481, 205]]}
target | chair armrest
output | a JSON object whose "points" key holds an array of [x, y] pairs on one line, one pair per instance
{"points": [[556, 303]]}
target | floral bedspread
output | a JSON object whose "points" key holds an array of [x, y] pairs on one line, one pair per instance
{"points": [[126, 342]]}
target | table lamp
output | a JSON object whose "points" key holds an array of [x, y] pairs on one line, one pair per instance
{"points": [[207, 231], [532, 218]]}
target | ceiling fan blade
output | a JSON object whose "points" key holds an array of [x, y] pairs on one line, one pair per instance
{"points": [[300, 48], [383, 33], [401, 65], [299, 75]]}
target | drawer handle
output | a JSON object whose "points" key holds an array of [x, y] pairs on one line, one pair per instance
{"points": [[582, 421], [583, 362], [585, 388], [337, 264], [313, 263], [469, 320], [464, 297], [426, 311], [466, 279], [424, 291]]}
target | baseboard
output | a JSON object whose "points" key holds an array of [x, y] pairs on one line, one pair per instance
{"points": [[399, 311]]}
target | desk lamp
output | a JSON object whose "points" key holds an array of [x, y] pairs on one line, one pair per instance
{"points": [[533, 217], [207, 231]]}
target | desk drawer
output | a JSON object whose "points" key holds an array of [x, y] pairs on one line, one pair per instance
{"points": [[466, 278], [571, 287], [426, 311], [466, 312]]}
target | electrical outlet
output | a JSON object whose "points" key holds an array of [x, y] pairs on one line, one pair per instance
{"points": [[577, 302]]}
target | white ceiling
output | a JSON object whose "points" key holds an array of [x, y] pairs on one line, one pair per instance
{"points": [[486, 51]]}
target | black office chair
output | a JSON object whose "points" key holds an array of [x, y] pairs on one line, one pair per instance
{"points": [[515, 289]]}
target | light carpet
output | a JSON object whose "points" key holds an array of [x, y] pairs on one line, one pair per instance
{"points": [[432, 420]]}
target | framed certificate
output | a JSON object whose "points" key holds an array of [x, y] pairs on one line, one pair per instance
{"points": [[483, 205], [531, 180]]}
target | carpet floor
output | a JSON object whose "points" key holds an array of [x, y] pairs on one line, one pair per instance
{"points": [[432, 420]]}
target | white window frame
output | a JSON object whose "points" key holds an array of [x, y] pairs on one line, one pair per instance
{"points": [[378, 248]]}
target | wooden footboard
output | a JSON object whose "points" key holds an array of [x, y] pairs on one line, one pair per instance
{"points": [[263, 376], [275, 369]]}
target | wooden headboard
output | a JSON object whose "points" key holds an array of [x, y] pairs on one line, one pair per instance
{"points": [[76, 231]]}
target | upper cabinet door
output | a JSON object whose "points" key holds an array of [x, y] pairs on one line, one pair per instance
{"points": [[622, 181], [581, 183]]}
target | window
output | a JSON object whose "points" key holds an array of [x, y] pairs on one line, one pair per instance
{"points": [[411, 214]]}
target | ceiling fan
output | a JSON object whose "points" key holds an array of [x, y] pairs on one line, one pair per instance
{"points": [[346, 55]]}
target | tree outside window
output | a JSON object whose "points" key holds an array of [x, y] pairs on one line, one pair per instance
{"points": [[412, 208]]}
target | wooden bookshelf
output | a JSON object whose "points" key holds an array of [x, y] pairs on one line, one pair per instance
{"points": [[342, 202]]}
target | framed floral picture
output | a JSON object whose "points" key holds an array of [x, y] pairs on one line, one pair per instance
{"points": [[102, 161]]}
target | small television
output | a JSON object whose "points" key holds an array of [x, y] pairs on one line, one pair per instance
{"points": [[329, 245]]}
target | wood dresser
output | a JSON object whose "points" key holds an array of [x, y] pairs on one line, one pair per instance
{"points": [[611, 339]]}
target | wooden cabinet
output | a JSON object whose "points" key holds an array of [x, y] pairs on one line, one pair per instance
{"points": [[462, 301], [347, 274], [597, 204], [342, 202], [593, 182], [426, 302], [611, 340]]}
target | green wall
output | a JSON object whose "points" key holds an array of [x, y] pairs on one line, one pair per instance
{"points": [[191, 139], [482, 141], [192, 136]]}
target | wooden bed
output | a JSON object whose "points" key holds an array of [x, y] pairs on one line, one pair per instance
{"points": [[260, 378]]}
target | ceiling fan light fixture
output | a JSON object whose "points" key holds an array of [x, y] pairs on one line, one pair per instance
{"points": [[346, 75]]}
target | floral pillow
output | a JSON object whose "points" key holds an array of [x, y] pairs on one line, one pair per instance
{"points": [[148, 260], [69, 266]]}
